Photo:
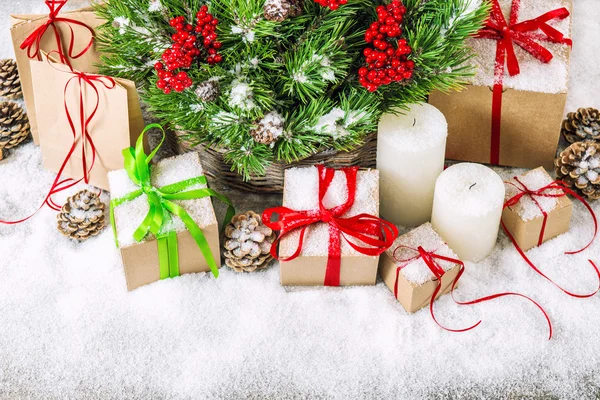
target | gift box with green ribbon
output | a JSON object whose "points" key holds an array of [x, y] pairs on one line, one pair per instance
{"points": [[163, 218]]}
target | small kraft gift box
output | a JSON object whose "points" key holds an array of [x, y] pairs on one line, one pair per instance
{"points": [[405, 271], [85, 120], [330, 233], [163, 219], [536, 209], [70, 34], [511, 113]]}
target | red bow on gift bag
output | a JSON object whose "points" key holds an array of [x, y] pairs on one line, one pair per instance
{"points": [[554, 189], [80, 131], [32, 42], [432, 259], [375, 234], [525, 34]]}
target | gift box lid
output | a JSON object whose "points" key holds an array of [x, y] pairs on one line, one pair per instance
{"points": [[130, 215], [301, 193], [534, 180], [535, 76], [415, 270]]}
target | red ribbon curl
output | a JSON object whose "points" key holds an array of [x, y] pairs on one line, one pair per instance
{"points": [[436, 269], [525, 34], [82, 80], [377, 234], [549, 191], [32, 42]]}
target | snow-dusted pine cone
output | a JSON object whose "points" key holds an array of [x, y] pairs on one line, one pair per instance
{"points": [[10, 83], [280, 10], [582, 125], [579, 167], [268, 129], [82, 217], [14, 125], [248, 243], [208, 91]]}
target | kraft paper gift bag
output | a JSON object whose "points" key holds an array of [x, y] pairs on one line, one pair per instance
{"points": [[114, 121], [33, 34]]}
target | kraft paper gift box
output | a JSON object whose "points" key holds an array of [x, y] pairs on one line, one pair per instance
{"points": [[23, 25], [408, 276], [141, 260], [301, 192], [525, 219], [532, 104], [116, 124]]}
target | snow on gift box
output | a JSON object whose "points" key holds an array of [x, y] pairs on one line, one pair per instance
{"points": [[161, 216], [513, 119], [420, 267], [329, 230]]}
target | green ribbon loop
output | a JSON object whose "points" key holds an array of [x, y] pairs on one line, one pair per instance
{"points": [[162, 208]]}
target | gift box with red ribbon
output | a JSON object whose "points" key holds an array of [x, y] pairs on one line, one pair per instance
{"points": [[537, 209], [511, 112], [405, 271], [330, 232]]}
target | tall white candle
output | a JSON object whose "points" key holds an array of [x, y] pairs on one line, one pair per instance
{"points": [[410, 156], [467, 209]]}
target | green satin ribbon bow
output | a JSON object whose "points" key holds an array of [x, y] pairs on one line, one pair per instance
{"points": [[162, 208]]}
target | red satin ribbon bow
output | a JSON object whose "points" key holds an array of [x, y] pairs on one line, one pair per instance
{"points": [[526, 35], [377, 235], [59, 184], [549, 191], [32, 42], [431, 260]]}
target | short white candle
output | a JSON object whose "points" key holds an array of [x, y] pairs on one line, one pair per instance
{"points": [[467, 209], [410, 156]]}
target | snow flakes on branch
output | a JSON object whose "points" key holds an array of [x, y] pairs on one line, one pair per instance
{"points": [[121, 23], [247, 33], [241, 95], [155, 6]]}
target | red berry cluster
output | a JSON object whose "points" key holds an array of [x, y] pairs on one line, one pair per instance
{"points": [[386, 64], [185, 50], [332, 4]]}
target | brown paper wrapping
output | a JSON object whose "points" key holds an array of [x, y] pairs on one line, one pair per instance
{"points": [[414, 296], [309, 268], [531, 119], [116, 125], [140, 260], [24, 25], [527, 233]]}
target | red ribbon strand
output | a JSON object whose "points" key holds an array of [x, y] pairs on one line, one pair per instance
{"points": [[81, 131], [376, 234], [550, 191], [32, 42], [431, 260], [525, 34]]}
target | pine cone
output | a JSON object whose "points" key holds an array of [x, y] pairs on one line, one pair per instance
{"points": [[579, 167], [82, 216], [280, 10], [268, 129], [14, 125], [248, 243], [582, 125], [10, 83], [208, 91]]}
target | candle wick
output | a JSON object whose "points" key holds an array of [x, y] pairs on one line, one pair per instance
{"points": [[472, 186], [414, 121]]}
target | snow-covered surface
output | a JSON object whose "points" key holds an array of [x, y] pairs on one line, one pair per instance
{"points": [[527, 207], [70, 329]]}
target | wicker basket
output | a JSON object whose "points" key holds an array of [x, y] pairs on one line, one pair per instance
{"points": [[272, 182]]}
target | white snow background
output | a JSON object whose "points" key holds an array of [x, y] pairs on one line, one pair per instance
{"points": [[69, 329]]}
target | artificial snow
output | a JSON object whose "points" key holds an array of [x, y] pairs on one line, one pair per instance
{"points": [[69, 328], [241, 95], [130, 215], [301, 193], [527, 208], [535, 76], [414, 268]]}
